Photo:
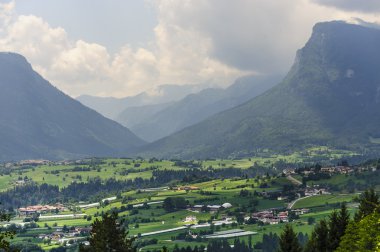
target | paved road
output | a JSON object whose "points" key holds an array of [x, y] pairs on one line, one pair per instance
{"points": [[291, 204]]}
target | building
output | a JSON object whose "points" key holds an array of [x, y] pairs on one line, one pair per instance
{"points": [[227, 205], [40, 209], [190, 218]]}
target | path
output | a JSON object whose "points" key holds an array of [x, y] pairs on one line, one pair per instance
{"points": [[294, 180], [291, 204]]}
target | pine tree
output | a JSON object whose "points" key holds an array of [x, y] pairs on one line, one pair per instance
{"points": [[333, 231], [319, 238], [288, 240], [363, 236], [107, 236], [343, 219], [368, 201]]}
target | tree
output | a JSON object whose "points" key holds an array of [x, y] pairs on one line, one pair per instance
{"points": [[343, 220], [319, 238], [368, 201], [337, 226], [174, 203], [310, 221], [288, 240], [5, 235], [108, 236], [362, 236], [333, 231]]}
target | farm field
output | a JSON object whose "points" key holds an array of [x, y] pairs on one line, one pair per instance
{"points": [[321, 200], [143, 188]]}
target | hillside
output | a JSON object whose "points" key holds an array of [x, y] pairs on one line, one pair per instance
{"points": [[155, 122], [39, 121], [329, 97]]}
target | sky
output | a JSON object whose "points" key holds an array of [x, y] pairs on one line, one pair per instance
{"points": [[121, 48]]}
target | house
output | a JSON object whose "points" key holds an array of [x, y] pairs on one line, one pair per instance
{"points": [[186, 188], [40, 209], [328, 169], [227, 205], [301, 211], [289, 171], [282, 198], [190, 218], [211, 208]]}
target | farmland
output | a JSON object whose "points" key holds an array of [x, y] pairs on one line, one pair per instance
{"points": [[137, 190]]}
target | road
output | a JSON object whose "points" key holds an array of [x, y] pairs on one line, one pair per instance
{"points": [[291, 204], [294, 180]]}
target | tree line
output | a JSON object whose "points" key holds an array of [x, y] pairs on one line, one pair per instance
{"points": [[338, 232]]}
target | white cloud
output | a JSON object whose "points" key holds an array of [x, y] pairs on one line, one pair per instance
{"points": [[196, 41], [6, 11], [177, 56]]}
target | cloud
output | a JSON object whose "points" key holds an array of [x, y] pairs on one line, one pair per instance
{"points": [[177, 56], [210, 42], [367, 6], [251, 35], [6, 12]]}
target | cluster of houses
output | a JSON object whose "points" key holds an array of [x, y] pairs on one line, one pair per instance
{"points": [[34, 162], [330, 170], [185, 188], [41, 209], [337, 169], [327, 170], [315, 190], [59, 236], [273, 216], [210, 208], [270, 217]]}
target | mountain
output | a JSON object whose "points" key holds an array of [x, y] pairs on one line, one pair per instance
{"points": [[155, 122], [111, 107], [39, 121], [331, 96]]}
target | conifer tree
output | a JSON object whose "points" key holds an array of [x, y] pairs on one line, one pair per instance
{"points": [[107, 236], [363, 236], [288, 240], [319, 238], [368, 201], [333, 231], [343, 219]]}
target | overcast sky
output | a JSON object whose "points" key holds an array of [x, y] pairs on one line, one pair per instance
{"points": [[120, 48]]}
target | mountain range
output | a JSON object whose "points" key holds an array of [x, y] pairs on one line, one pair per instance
{"points": [[331, 97], [111, 107], [39, 121], [153, 122]]}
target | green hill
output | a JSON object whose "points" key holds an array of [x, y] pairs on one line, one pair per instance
{"points": [[329, 97]]}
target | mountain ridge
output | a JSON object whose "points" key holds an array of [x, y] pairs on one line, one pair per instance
{"points": [[111, 107], [329, 97], [39, 121], [172, 117]]}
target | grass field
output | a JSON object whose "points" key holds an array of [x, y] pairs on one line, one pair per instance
{"points": [[210, 192], [321, 200]]}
